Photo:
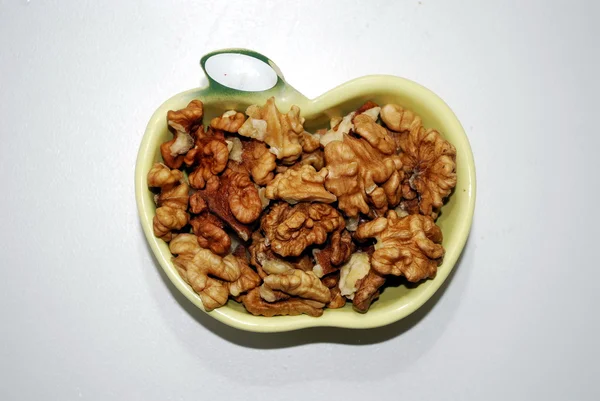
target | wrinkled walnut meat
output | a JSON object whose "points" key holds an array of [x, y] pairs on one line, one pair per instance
{"points": [[217, 197], [211, 235], [248, 279], [318, 219], [299, 283], [291, 229], [230, 121], [183, 122], [429, 162], [409, 246], [210, 156], [258, 161], [361, 176], [172, 202], [304, 184], [367, 290], [280, 131], [161, 176], [207, 273], [290, 307], [338, 251]]}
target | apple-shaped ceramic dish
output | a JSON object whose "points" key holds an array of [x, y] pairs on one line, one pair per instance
{"points": [[238, 78]]}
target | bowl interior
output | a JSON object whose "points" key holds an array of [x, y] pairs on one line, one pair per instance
{"points": [[397, 300]]}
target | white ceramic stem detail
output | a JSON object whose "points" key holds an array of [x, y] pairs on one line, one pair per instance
{"points": [[241, 72]]}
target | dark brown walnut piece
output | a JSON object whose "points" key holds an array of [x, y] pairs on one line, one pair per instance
{"points": [[290, 307], [211, 235], [210, 158], [258, 161], [197, 204], [337, 252], [409, 246], [267, 262], [216, 195], [290, 229], [331, 281], [244, 201], [368, 291]]}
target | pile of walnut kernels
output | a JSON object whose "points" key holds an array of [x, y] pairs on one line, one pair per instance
{"points": [[320, 218]]}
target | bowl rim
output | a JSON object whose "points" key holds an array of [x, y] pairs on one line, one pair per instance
{"points": [[360, 86]]}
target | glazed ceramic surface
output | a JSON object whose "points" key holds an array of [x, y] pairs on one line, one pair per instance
{"points": [[238, 78]]}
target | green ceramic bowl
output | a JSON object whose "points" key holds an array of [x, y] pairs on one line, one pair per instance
{"points": [[238, 78]]}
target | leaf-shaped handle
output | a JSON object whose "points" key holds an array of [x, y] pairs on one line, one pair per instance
{"points": [[239, 72]]}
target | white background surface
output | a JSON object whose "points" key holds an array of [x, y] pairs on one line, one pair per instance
{"points": [[87, 314]]}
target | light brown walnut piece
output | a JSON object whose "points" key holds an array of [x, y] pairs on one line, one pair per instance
{"points": [[211, 235], [356, 169], [397, 118], [375, 168], [343, 179], [303, 184], [184, 244], [160, 176], [207, 273], [187, 119], [176, 196], [315, 159], [337, 252], [409, 246], [351, 272], [216, 195], [183, 122], [211, 157], [270, 295], [309, 142], [374, 133], [167, 219], [244, 200], [430, 163], [267, 262], [337, 299], [343, 126], [299, 283], [259, 162], [291, 229], [235, 147], [393, 188], [280, 131], [368, 291], [248, 278], [230, 121], [291, 307]]}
